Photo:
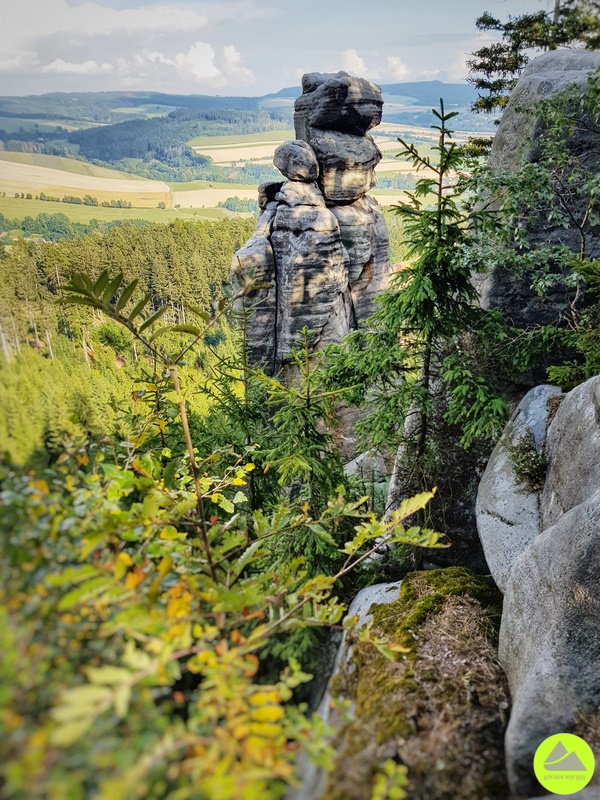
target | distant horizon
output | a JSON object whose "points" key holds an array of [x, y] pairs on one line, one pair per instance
{"points": [[116, 90], [243, 48]]}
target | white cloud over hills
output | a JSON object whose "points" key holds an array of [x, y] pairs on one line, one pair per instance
{"points": [[160, 45]]}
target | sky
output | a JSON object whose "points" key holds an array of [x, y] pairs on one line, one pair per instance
{"points": [[235, 47]]}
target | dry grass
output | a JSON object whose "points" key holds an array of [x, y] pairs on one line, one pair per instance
{"points": [[460, 709], [442, 709]]}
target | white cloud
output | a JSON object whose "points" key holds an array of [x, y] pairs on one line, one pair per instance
{"points": [[351, 62], [233, 69], [157, 44], [396, 68], [198, 67], [85, 68]]}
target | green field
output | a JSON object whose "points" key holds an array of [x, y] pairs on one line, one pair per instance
{"points": [[268, 136], [148, 110], [19, 209], [193, 186], [67, 165]]}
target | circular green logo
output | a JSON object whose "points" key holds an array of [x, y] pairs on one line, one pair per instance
{"points": [[564, 763]]}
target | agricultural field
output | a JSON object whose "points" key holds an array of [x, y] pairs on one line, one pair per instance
{"points": [[52, 175], [14, 124], [19, 209], [67, 165]]}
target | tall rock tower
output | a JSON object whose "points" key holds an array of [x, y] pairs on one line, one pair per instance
{"points": [[321, 244]]}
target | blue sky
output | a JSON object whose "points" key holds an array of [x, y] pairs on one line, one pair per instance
{"points": [[226, 47]]}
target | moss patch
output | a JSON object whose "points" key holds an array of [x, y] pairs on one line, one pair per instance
{"points": [[441, 709]]}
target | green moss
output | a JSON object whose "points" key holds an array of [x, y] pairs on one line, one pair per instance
{"points": [[423, 594], [396, 700]]}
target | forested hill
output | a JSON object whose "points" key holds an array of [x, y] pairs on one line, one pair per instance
{"points": [[165, 138], [71, 364]]}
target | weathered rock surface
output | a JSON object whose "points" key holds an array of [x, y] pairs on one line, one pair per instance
{"points": [[297, 161], [515, 139], [303, 218], [365, 236], [347, 164], [314, 779], [415, 709], [267, 193], [256, 259], [312, 287], [337, 102], [508, 510], [573, 450], [550, 637]]}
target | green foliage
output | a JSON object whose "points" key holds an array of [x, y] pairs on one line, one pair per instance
{"points": [[150, 571], [395, 361], [530, 466], [240, 205]]}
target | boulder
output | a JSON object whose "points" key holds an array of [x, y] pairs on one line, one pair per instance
{"points": [[314, 779], [507, 510], [550, 638], [515, 139], [573, 450], [347, 164], [516, 142], [295, 193], [338, 103], [297, 161]]}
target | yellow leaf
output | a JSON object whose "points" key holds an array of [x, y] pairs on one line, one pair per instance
{"points": [[249, 467], [263, 698], [41, 486], [238, 482], [265, 729], [126, 559], [267, 714], [108, 675]]}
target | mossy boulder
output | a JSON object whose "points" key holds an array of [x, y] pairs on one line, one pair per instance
{"points": [[441, 708]]}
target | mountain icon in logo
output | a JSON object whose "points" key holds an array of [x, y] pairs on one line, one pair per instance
{"points": [[560, 760]]}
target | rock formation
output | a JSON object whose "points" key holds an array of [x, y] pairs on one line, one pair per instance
{"points": [[321, 244], [515, 144], [543, 548]]}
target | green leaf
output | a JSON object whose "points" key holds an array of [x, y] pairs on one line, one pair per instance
{"points": [[112, 288], [227, 506], [108, 675], [126, 294], [153, 318], [139, 307], [69, 734], [100, 284]]}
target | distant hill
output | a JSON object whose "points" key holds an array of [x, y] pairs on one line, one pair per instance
{"points": [[422, 92]]}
